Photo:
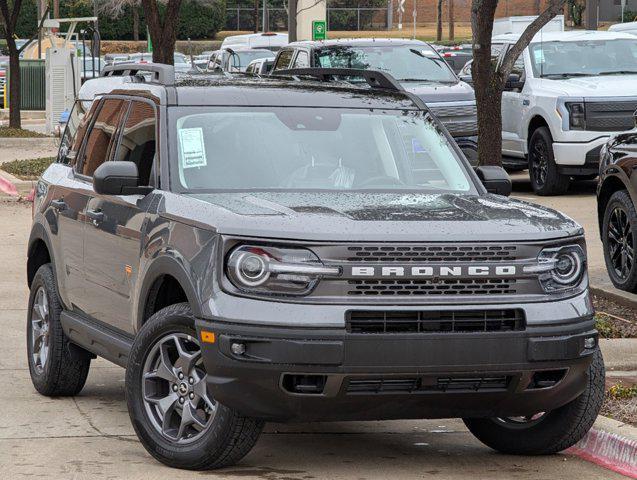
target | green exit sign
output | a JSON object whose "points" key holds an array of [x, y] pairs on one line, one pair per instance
{"points": [[319, 30]]}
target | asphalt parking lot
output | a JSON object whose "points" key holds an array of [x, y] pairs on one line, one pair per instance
{"points": [[90, 436]]}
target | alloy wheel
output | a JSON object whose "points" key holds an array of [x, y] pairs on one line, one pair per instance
{"points": [[40, 337], [523, 421], [174, 389], [621, 249], [539, 162]]}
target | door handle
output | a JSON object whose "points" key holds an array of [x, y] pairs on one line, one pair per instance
{"points": [[59, 204], [96, 215]]}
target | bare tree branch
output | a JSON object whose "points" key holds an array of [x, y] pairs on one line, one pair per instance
{"points": [[554, 7]]}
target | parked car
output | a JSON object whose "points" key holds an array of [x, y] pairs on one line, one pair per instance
{"points": [[268, 40], [3, 80], [230, 59], [569, 92], [415, 64], [261, 66], [626, 27], [456, 56], [113, 58], [616, 196], [346, 263]]}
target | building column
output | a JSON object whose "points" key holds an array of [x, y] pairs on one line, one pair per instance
{"points": [[308, 11]]}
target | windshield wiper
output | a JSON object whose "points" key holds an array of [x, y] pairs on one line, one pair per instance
{"points": [[567, 75], [619, 72]]}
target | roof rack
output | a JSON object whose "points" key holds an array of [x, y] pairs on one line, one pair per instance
{"points": [[374, 78], [161, 73]]}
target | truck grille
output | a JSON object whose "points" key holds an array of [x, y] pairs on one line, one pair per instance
{"points": [[427, 384], [460, 120], [432, 253], [434, 321], [479, 286], [610, 116]]}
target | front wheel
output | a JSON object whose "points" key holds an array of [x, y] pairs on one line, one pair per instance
{"points": [[544, 433], [619, 237], [175, 417], [545, 177]]}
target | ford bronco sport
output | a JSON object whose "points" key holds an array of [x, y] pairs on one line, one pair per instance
{"points": [[296, 249]]}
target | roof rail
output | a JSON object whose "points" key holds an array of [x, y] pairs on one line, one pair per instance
{"points": [[374, 78], [161, 73]]}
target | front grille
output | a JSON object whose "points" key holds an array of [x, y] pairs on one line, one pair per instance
{"points": [[432, 253], [427, 384], [460, 120], [611, 116], [444, 287], [434, 321]]}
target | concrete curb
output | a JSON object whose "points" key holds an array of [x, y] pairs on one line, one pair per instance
{"points": [[610, 444], [22, 187]]}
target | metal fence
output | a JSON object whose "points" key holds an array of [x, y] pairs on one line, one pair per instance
{"points": [[338, 18], [32, 85]]}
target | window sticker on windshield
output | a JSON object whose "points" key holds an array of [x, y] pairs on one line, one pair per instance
{"points": [[538, 54], [193, 151], [417, 147]]}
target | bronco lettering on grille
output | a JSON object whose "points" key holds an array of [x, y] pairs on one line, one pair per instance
{"points": [[435, 271]]}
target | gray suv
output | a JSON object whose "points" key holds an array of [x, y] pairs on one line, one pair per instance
{"points": [[295, 249]]}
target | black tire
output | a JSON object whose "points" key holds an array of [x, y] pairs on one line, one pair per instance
{"points": [[620, 241], [554, 431], [66, 366], [227, 436], [545, 177]]}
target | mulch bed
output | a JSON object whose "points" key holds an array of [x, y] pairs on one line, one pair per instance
{"points": [[614, 320]]}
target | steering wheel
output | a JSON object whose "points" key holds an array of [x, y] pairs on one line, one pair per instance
{"points": [[380, 180]]}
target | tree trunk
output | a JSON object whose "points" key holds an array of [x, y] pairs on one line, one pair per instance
{"points": [[489, 125], [538, 6], [15, 98], [292, 8], [256, 16], [438, 20], [452, 20], [135, 23], [162, 33]]}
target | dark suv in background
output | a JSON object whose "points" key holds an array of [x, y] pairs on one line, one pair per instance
{"points": [[616, 197], [287, 249], [415, 64]]}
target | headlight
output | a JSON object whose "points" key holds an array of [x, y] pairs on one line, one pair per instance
{"points": [[276, 271], [560, 268], [576, 115]]}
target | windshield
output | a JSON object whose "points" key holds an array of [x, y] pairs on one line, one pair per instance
{"points": [[300, 149], [241, 59], [404, 62], [584, 58]]}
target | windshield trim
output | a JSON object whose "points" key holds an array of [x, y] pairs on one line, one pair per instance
{"points": [[475, 185]]}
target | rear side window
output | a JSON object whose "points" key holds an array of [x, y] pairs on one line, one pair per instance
{"points": [[138, 140], [283, 60], [302, 60], [99, 143], [74, 133]]}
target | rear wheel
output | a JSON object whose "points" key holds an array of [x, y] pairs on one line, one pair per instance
{"points": [[175, 417], [544, 433], [619, 236], [57, 367], [545, 177]]}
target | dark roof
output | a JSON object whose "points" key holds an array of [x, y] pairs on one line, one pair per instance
{"points": [[240, 90]]}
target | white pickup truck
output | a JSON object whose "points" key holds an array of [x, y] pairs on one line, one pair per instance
{"points": [[568, 93]]}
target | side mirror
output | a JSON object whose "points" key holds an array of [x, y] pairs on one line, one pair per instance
{"points": [[118, 178], [467, 79], [514, 82], [495, 180]]}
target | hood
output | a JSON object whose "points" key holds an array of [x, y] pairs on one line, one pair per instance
{"points": [[336, 216], [431, 92], [603, 86]]}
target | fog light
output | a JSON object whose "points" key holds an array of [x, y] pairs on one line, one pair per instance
{"points": [[238, 348], [590, 342]]}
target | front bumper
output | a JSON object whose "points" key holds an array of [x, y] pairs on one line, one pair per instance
{"points": [[322, 374], [579, 158]]}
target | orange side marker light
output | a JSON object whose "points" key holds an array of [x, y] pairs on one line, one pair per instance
{"points": [[207, 337]]}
